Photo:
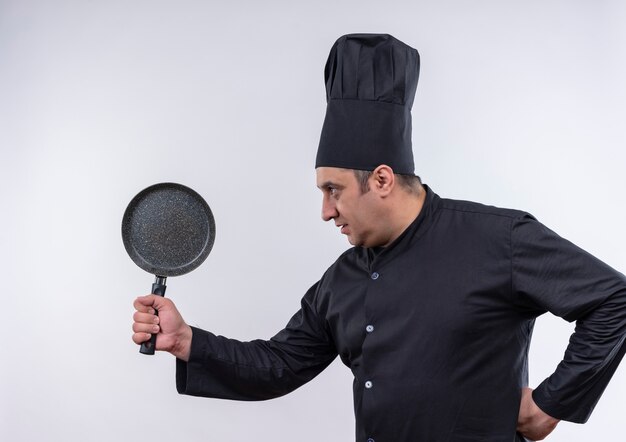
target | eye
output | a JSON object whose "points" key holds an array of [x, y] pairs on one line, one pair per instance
{"points": [[331, 190]]}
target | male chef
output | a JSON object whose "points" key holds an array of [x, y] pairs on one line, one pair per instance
{"points": [[434, 305]]}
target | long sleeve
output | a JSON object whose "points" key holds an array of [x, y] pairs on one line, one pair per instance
{"points": [[257, 370], [552, 274]]}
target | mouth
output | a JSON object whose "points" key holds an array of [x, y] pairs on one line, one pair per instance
{"points": [[343, 228]]}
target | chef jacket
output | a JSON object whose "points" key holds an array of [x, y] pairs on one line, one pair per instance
{"points": [[436, 329]]}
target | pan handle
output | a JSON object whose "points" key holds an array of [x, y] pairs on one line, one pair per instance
{"points": [[158, 288]]}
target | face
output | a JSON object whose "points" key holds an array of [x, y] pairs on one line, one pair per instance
{"points": [[358, 215]]}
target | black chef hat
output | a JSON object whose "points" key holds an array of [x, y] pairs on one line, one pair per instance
{"points": [[370, 86]]}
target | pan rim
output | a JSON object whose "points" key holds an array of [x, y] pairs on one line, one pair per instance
{"points": [[130, 242]]}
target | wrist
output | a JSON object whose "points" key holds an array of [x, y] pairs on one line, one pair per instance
{"points": [[534, 423], [541, 411], [182, 348]]}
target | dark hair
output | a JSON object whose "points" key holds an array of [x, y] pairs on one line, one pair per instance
{"points": [[410, 183]]}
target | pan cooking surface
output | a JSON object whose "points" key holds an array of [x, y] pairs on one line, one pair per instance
{"points": [[168, 229]]}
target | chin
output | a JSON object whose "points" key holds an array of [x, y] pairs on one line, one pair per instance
{"points": [[357, 241], [354, 242]]}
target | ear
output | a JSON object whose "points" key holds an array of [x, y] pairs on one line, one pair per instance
{"points": [[382, 180]]}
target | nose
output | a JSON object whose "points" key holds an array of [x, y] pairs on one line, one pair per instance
{"points": [[329, 210]]}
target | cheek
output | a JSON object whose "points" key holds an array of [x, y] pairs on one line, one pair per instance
{"points": [[355, 215], [344, 208], [351, 207]]}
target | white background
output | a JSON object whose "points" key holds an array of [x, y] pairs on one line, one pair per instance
{"points": [[520, 104]]}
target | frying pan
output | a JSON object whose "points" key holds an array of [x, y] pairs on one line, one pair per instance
{"points": [[168, 230]]}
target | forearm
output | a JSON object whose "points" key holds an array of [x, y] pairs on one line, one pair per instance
{"points": [[593, 354], [257, 370]]}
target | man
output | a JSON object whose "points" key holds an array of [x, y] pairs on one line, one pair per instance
{"points": [[433, 307]]}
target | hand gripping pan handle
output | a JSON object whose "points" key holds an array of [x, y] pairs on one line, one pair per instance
{"points": [[168, 230], [158, 288]]}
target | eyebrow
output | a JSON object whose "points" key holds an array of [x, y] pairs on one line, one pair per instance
{"points": [[328, 184]]}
